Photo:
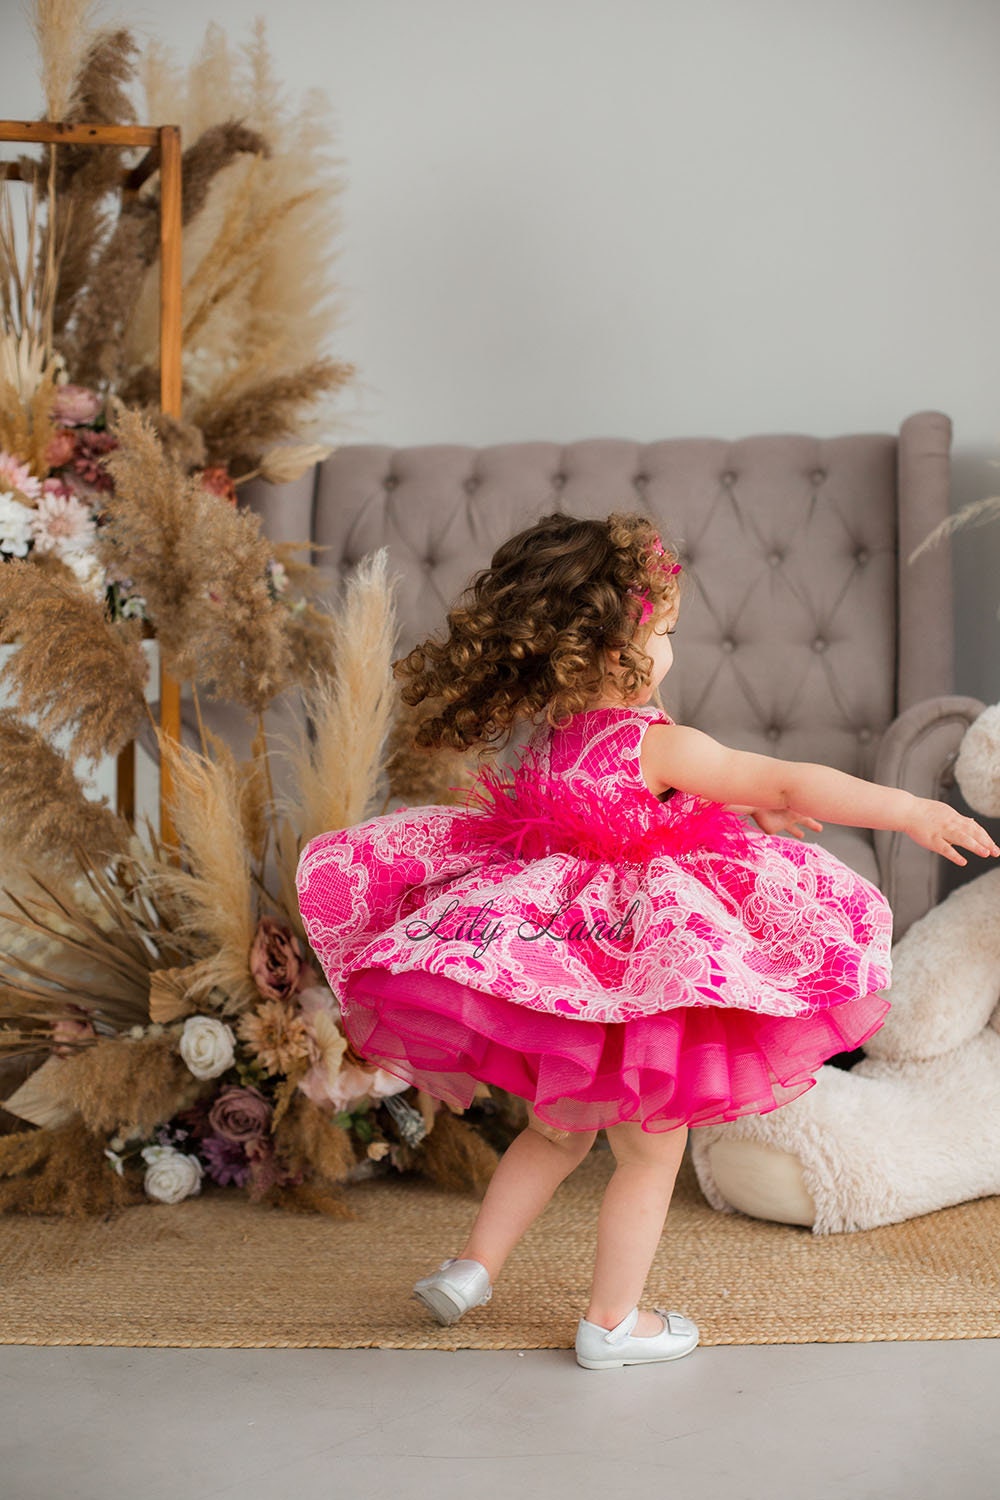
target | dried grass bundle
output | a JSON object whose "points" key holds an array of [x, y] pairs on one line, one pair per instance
{"points": [[418, 776], [238, 429], [312, 1143], [75, 672], [62, 1171], [337, 773], [214, 894], [131, 1083], [258, 262], [93, 343], [202, 566], [61, 29], [82, 219], [45, 809], [26, 425], [455, 1156]]}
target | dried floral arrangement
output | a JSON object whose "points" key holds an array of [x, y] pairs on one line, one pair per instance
{"points": [[79, 285], [185, 1029], [164, 1008]]}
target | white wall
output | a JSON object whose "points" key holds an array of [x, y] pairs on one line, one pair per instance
{"points": [[652, 218]]}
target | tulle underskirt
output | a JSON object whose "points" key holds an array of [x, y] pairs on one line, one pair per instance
{"points": [[688, 1065]]}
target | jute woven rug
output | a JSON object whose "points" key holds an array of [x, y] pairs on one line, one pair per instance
{"points": [[216, 1272]]}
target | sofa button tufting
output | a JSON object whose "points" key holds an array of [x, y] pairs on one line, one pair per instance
{"points": [[641, 479], [817, 476], [861, 555], [471, 485], [728, 476], [819, 644], [390, 482], [774, 558], [558, 480], [773, 732], [728, 644], [864, 735]]}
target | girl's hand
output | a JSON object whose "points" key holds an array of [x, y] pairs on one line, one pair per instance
{"points": [[786, 821], [936, 826]]}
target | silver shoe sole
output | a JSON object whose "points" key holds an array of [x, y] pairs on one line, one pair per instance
{"points": [[440, 1304]]}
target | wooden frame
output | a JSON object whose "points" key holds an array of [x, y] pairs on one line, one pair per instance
{"points": [[164, 148]]}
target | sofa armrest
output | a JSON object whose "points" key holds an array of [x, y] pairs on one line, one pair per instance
{"points": [[918, 752]]}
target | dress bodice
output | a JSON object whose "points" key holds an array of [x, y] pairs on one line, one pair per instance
{"points": [[600, 747]]}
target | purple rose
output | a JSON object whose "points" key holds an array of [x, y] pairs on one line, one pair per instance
{"points": [[240, 1114]]}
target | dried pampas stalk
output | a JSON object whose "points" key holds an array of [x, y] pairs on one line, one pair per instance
{"points": [[337, 774], [74, 670], [130, 1083], [60, 28], [211, 152], [85, 176], [26, 425], [215, 892], [93, 345], [455, 1156], [240, 429], [419, 776], [45, 809], [62, 1171], [202, 566], [977, 512]]}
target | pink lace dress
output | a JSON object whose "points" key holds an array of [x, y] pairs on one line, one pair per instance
{"points": [[605, 955]]}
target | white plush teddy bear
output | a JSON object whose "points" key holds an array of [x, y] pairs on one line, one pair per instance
{"points": [[914, 1126]]}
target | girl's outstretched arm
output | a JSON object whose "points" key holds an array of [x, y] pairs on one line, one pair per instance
{"points": [[677, 755]]}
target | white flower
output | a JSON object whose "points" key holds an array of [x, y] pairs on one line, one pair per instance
{"points": [[207, 1046], [116, 1161], [15, 525], [171, 1174], [61, 523], [86, 567]]}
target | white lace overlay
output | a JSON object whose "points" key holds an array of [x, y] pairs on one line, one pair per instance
{"points": [[785, 930]]}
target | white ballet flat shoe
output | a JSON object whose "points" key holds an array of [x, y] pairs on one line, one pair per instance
{"points": [[599, 1348], [453, 1288]]}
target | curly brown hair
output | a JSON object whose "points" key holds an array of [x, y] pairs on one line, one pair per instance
{"points": [[529, 633]]}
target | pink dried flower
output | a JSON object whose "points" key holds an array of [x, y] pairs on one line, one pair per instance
{"points": [[225, 1161], [276, 960], [62, 446], [91, 447], [69, 1031], [75, 405], [240, 1114], [217, 480], [15, 476]]}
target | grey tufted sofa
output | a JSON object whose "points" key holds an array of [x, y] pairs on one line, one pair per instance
{"points": [[804, 632]]}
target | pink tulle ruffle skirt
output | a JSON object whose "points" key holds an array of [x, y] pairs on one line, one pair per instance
{"points": [[693, 1065]]}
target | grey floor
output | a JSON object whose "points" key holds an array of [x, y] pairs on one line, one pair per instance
{"points": [[917, 1421]]}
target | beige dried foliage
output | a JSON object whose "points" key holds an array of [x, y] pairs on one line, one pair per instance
{"points": [[336, 774], [418, 776], [75, 671], [130, 1083], [26, 425], [62, 1171], [213, 892], [45, 809], [261, 306], [61, 29], [239, 427], [202, 566]]}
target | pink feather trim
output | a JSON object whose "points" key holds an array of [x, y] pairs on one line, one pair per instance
{"points": [[530, 813]]}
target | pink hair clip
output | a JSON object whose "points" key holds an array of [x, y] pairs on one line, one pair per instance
{"points": [[647, 604]]}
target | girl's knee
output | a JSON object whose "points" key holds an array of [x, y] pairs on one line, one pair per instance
{"points": [[651, 1148], [572, 1142]]}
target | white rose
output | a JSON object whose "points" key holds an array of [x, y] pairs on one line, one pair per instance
{"points": [[207, 1046], [171, 1175]]}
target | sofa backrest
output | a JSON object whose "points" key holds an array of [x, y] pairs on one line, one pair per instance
{"points": [[803, 629]]}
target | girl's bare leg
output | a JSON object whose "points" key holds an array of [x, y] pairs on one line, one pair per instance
{"points": [[526, 1176], [630, 1223]]}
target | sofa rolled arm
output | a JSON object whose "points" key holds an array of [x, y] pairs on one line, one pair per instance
{"points": [[918, 753]]}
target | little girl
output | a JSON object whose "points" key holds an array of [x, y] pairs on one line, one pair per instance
{"points": [[601, 932]]}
